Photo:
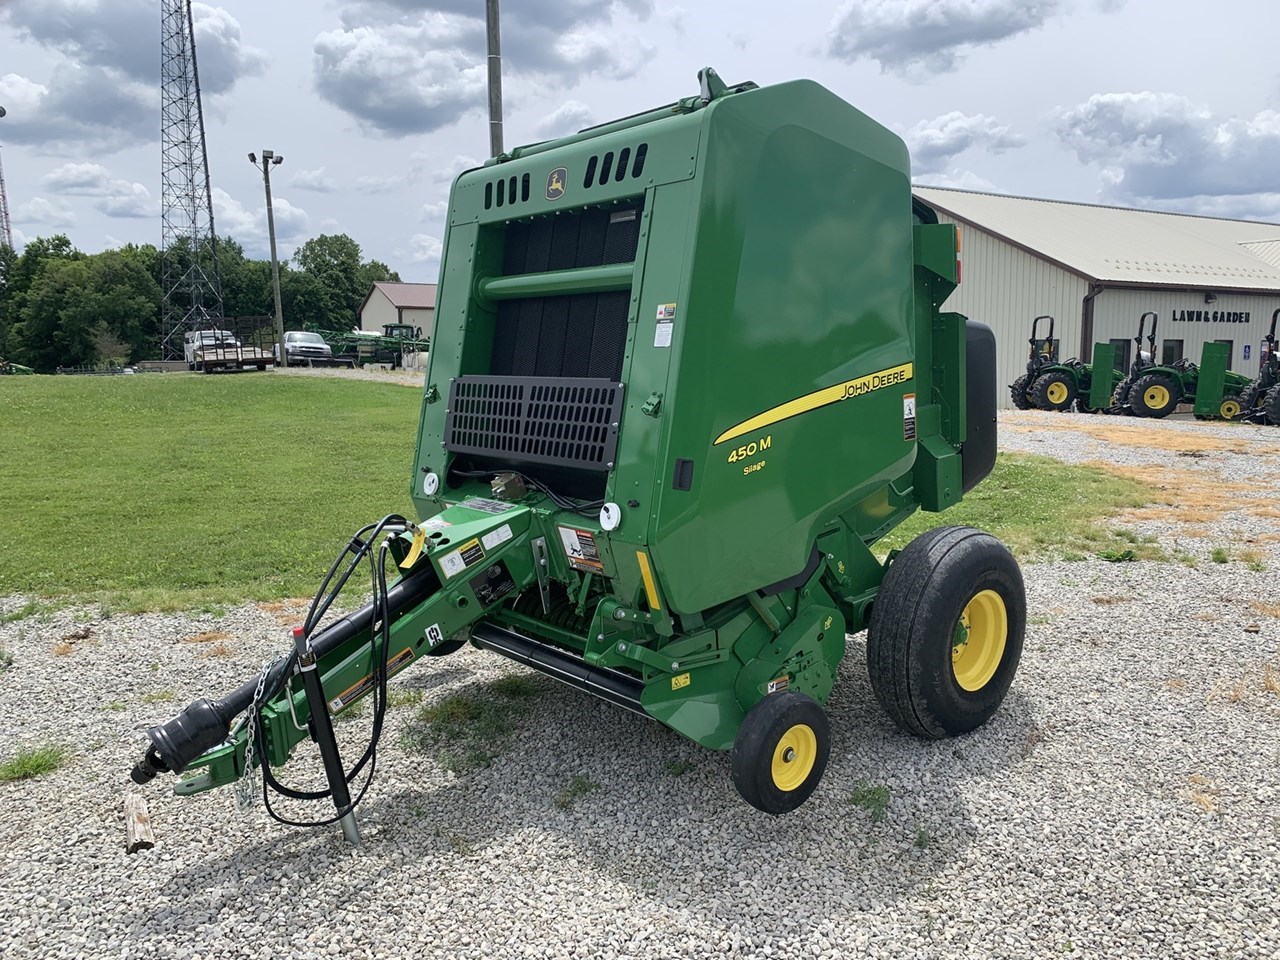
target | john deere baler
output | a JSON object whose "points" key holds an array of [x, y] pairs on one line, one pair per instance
{"points": [[687, 368]]}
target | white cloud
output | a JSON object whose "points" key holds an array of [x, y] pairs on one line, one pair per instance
{"points": [[82, 108], [915, 38], [435, 211], [249, 227], [400, 79], [1159, 147], [316, 180], [424, 248], [957, 179], [934, 143], [116, 198], [570, 117], [46, 213], [220, 52]]}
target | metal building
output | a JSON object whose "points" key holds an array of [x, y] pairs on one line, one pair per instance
{"points": [[1096, 269]]}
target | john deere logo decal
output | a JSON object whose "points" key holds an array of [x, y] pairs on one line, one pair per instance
{"points": [[555, 183]]}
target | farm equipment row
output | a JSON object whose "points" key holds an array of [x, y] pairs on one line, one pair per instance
{"points": [[1147, 388]]}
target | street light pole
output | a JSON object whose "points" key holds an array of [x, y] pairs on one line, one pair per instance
{"points": [[270, 160]]}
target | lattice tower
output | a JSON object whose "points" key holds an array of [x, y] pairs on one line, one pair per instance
{"points": [[189, 276]]}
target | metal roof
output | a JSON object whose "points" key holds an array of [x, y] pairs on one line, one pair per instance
{"points": [[412, 295], [1268, 250], [1119, 245]]}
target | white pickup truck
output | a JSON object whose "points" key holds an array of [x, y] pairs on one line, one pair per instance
{"points": [[209, 350]]}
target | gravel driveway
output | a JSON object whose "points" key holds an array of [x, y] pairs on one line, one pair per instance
{"points": [[1125, 802]]}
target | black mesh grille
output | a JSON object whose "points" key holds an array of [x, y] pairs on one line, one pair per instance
{"points": [[583, 335], [556, 420]]}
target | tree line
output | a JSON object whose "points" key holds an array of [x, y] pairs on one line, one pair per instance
{"points": [[62, 307]]}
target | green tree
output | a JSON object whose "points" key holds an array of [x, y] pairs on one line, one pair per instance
{"points": [[126, 300], [58, 322], [304, 300], [334, 261]]}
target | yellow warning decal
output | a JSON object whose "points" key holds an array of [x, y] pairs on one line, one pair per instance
{"points": [[822, 398], [680, 682]]}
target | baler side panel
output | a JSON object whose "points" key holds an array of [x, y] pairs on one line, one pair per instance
{"points": [[802, 281]]}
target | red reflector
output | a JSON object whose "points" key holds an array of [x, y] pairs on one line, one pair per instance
{"points": [[958, 271]]}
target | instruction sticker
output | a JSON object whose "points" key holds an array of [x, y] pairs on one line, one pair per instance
{"points": [[487, 506], [467, 555], [495, 537], [435, 523], [909, 416], [580, 548], [666, 325], [777, 686], [361, 687]]}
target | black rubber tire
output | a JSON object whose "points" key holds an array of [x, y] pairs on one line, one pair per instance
{"points": [[1082, 405], [913, 623], [1224, 408], [1251, 397], [759, 735], [1040, 392], [1272, 405], [1018, 393], [1138, 399], [1120, 398]]}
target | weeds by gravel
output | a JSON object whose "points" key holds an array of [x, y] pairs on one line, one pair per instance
{"points": [[33, 762]]}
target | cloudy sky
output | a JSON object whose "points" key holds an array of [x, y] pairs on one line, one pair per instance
{"points": [[376, 104]]}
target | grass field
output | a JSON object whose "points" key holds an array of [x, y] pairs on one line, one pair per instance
{"points": [[162, 491], [181, 491]]}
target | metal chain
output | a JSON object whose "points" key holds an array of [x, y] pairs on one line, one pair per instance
{"points": [[246, 788]]}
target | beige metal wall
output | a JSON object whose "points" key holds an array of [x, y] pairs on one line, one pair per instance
{"points": [[1004, 288], [1116, 315], [376, 312]]}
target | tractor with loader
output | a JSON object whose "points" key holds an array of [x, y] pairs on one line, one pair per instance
{"points": [[669, 413], [1260, 400], [1213, 390], [1054, 385]]}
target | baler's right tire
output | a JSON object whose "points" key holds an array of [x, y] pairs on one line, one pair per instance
{"points": [[1155, 396], [946, 632], [780, 752], [1053, 391], [1018, 393]]}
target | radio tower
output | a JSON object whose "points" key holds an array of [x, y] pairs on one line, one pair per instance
{"points": [[6, 228], [189, 244]]}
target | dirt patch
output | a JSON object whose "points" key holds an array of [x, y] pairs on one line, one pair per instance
{"points": [[287, 612], [1196, 499], [209, 636], [1150, 436]]}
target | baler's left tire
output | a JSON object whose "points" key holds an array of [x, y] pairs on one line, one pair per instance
{"points": [[780, 752], [946, 632]]}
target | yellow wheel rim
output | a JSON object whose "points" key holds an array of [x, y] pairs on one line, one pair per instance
{"points": [[1230, 409], [1057, 392], [794, 757], [1156, 396], [979, 641]]}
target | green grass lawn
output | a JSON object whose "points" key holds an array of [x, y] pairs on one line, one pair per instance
{"points": [[186, 491], [174, 490]]}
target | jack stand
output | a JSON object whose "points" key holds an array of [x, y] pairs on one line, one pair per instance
{"points": [[322, 733]]}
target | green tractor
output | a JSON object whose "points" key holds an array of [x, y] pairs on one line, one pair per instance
{"points": [[9, 368], [664, 425], [1050, 385], [1039, 357], [1142, 359], [1212, 389], [1260, 400]]}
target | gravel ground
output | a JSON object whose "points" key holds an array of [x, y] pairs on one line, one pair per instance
{"points": [[1123, 802]]}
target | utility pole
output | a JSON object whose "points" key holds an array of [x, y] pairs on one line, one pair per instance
{"points": [[270, 160], [6, 228], [495, 78]]}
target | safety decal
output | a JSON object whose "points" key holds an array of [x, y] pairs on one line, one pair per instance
{"points": [[666, 325], [467, 555], [780, 684], [435, 523], [909, 416], [493, 584], [847, 390], [680, 682], [487, 506], [361, 687], [580, 549], [495, 537], [434, 635]]}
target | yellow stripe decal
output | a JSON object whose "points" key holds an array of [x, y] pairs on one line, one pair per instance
{"points": [[822, 398], [646, 574]]}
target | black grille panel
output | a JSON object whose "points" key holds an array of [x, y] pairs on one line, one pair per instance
{"points": [[566, 421], [583, 335]]}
